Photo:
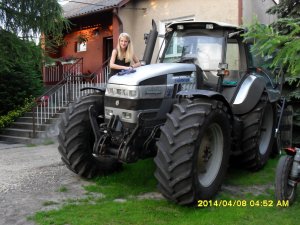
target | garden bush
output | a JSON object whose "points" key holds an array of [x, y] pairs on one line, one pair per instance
{"points": [[20, 71]]}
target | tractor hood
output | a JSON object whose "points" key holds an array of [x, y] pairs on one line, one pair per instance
{"points": [[157, 73]]}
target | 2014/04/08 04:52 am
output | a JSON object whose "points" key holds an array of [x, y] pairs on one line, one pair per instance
{"points": [[243, 203]]}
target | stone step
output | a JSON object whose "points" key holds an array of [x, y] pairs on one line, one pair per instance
{"points": [[44, 114], [24, 119], [28, 126], [14, 140], [29, 120], [20, 132], [17, 139]]}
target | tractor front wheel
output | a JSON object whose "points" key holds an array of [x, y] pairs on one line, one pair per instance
{"points": [[76, 139]]}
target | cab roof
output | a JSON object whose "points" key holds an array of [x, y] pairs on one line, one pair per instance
{"points": [[205, 25]]}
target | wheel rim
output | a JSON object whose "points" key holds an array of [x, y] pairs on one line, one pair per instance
{"points": [[210, 155], [290, 190], [266, 129], [290, 184]]}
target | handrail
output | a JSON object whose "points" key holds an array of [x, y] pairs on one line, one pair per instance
{"points": [[104, 68], [65, 91], [62, 81]]}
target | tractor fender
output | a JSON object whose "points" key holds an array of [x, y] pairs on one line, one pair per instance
{"points": [[248, 94], [100, 89], [205, 93]]}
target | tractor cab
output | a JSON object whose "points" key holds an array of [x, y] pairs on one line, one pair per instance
{"points": [[218, 50]]}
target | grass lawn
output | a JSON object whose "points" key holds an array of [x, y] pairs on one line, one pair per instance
{"points": [[122, 203]]}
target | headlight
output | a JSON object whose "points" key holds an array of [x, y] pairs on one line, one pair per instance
{"points": [[109, 112], [133, 93], [121, 91], [126, 115], [109, 91]]}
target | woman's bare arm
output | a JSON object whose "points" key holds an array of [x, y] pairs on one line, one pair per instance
{"points": [[136, 62]]}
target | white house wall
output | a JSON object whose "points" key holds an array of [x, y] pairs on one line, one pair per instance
{"points": [[257, 9]]}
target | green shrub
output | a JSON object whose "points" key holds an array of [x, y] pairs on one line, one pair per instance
{"points": [[20, 71], [7, 119]]}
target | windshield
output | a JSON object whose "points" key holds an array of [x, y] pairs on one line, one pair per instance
{"points": [[200, 47]]}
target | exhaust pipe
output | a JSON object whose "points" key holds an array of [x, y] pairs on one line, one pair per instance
{"points": [[150, 40]]}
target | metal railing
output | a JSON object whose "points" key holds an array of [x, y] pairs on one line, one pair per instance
{"points": [[53, 101], [102, 73]]}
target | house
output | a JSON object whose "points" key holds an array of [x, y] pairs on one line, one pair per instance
{"points": [[97, 24]]}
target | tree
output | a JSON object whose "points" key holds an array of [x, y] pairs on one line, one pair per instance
{"points": [[28, 17], [286, 9], [21, 59], [281, 39], [285, 46], [20, 71]]}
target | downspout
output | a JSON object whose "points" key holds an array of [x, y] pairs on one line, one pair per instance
{"points": [[240, 12], [118, 21]]}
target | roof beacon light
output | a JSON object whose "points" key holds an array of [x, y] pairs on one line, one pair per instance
{"points": [[209, 26]]}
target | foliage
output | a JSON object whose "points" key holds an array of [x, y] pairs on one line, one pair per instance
{"points": [[7, 119], [20, 71], [21, 59], [82, 38], [281, 39], [32, 17], [285, 47], [286, 8]]}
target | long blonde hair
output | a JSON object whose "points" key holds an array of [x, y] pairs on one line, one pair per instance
{"points": [[129, 49]]}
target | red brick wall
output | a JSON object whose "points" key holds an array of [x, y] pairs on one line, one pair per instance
{"points": [[93, 56]]}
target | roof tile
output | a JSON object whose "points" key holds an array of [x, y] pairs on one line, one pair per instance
{"points": [[83, 7]]}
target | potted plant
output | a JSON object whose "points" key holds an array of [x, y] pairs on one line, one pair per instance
{"points": [[82, 38], [68, 60]]}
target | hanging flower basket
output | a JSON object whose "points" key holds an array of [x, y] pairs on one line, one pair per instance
{"points": [[68, 60], [50, 64]]}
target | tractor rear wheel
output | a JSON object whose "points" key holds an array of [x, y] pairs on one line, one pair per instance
{"points": [[76, 139], [258, 136], [193, 151]]}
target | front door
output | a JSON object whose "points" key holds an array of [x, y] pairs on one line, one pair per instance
{"points": [[108, 47]]}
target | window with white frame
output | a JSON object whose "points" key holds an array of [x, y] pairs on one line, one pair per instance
{"points": [[81, 46]]}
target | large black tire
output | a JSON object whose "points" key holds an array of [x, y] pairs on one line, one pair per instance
{"points": [[76, 139], [258, 136], [283, 189], [193, 151]]}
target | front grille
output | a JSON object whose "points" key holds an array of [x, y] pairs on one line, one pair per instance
{"points": [[132, 104]]}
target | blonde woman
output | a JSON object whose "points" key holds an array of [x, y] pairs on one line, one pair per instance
{"points": [[123, 58]]}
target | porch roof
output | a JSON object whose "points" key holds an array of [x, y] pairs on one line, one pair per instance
{"points": [[79, 8]]}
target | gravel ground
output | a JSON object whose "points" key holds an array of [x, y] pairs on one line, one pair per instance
{"points": [[31, 177]]}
